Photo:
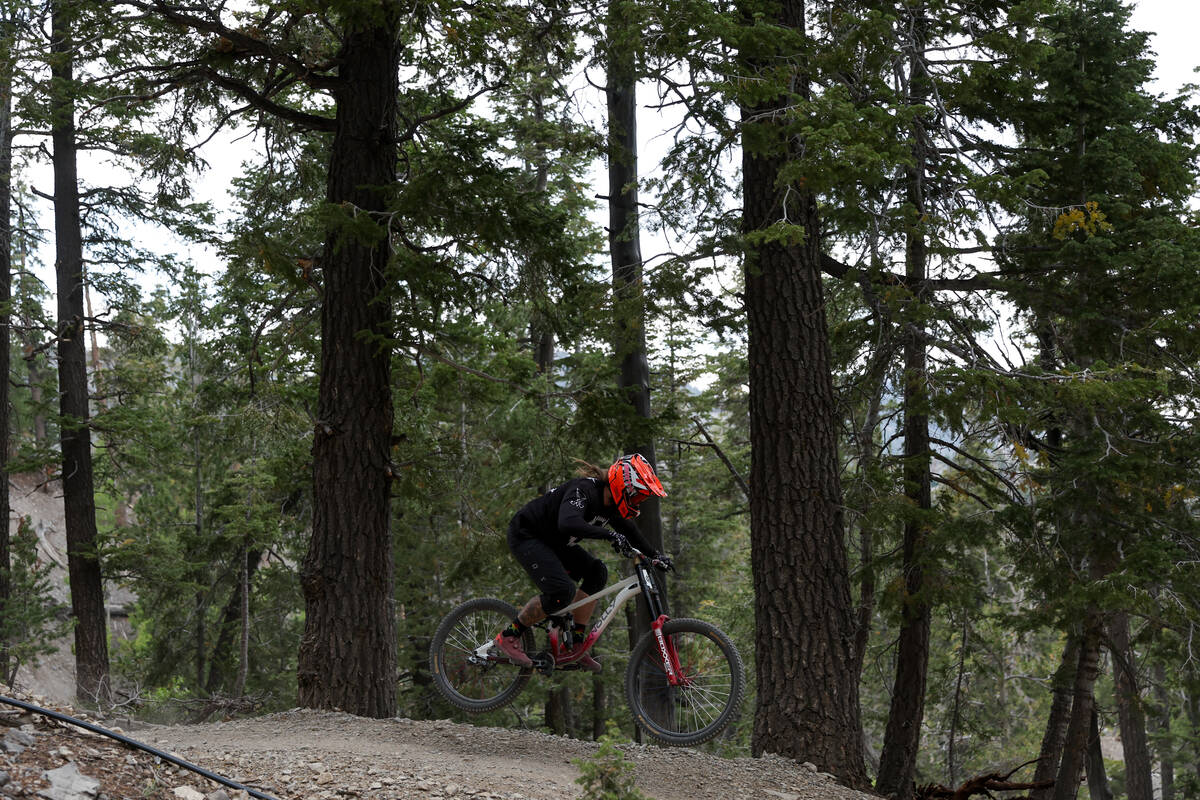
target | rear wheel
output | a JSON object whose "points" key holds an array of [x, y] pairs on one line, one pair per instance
{"points": [[469, 671], [708, 694]]}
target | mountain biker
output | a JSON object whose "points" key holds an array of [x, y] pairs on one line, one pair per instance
{"points": [[543, 536]]}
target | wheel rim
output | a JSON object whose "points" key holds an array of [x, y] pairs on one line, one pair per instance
{"points": [[701, 698], [470, 680]]}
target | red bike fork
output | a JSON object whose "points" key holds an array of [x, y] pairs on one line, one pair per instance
{"points": [[666, 649]]}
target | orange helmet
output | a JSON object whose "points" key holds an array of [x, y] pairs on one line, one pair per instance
{"points": [[631, 480]]}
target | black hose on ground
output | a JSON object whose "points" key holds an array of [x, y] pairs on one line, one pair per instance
{"points": [[154, 751]]}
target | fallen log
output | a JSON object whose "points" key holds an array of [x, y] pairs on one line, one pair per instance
{"points": [[982, 785]]}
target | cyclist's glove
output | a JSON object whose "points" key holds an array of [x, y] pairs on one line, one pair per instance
{"points": [[663, 562], [621, 544]]}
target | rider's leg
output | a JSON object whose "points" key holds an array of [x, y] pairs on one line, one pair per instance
{"points": [[592, 574], [543, 565], [532, 612]]}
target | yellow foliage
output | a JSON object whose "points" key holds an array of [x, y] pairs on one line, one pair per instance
{"points": [[1089, 220]]}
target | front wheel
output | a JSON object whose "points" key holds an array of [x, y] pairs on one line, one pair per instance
{"points": [[707, 695], [467, 669]]}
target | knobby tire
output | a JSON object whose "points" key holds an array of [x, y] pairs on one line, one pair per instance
{"points": [[709, 699], [468, 686]]}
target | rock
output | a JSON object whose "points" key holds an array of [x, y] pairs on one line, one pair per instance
{"points": [[68, 783], [4, 779], [217, 794], [187, 793], [16, 741], [808, 765], [21, 737]]}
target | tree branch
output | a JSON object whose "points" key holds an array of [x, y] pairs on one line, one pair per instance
{"points": [[242, 43], [741, 482], [263, 103]]}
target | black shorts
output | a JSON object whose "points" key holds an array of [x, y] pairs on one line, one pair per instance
{"points": [[556, 569]]}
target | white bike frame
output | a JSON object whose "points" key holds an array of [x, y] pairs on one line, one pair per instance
{"points": [[624, 589]]}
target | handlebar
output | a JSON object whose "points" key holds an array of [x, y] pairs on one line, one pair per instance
{"points": [[629, 551]]}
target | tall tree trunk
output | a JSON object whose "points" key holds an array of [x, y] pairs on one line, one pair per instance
{"points": [[625, 251], [1192, 704], [199, 628], [348, 656], [599, 711], [625, 248], [1062, 686], [239, 686], [79, 502], [902, 739], [1135, 745], [7, 47], [236, 607], [1097, 775], [559, 711], [30, 345], [952, 762], [1075, 744], [807, 700], [867, 460], [1166, 749]]}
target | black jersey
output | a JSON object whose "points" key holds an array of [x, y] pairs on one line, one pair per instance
{"points": [[575, 511]]}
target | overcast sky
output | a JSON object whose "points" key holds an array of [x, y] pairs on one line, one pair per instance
{"points": [[1175, 25]]}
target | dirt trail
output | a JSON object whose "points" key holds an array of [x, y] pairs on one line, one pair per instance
{"points": [[310, 755]]}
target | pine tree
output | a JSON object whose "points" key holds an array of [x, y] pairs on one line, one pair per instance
{"points": [[87, 589], [1105, 236], [8, 44], [798, 549]]}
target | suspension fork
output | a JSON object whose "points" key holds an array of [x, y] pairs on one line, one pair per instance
{"points": [[656, 601], [666, 650]]}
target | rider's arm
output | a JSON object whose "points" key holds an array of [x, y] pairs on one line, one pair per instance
{"points": [[572, 521], [629, 530]]}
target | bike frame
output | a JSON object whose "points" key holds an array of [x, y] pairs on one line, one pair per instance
{"points": [[641, 582]]}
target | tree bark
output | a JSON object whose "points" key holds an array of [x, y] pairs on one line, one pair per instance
{"points": [[1192, 704], [347, 656], [1062, 686], [625, 249], [79, 504], [30, 345], [867, 459], [1075, 743], [807, 699], [559, 712], [1166, 750], [7, 46], [1097, 775], [1135, 745], [237, 606], [902, 739], [625, 252], [599, 710]]}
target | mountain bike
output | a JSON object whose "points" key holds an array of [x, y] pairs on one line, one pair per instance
{"points": [[684, 682]]}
